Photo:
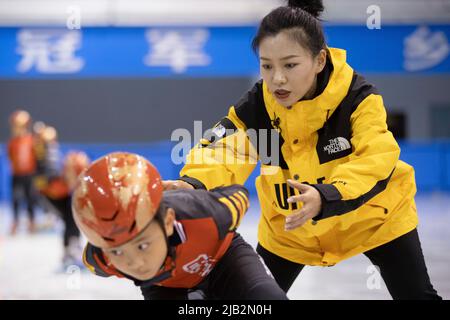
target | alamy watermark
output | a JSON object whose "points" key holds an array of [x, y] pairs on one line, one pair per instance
{"points": [[73, 281], [374, 19], [73, 21], [374, 280], [226, 146]]}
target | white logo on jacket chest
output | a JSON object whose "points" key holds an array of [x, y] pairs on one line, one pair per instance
{"points": [[337, 145], [202, 266], [219, 131]]}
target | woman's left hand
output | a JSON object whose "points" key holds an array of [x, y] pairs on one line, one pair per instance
{"points": [[312, 203]]}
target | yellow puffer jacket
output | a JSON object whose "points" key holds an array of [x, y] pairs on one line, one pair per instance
{"points": [[337, 142]]}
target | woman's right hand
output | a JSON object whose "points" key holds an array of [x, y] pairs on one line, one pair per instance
{"points": [[175, 185]]}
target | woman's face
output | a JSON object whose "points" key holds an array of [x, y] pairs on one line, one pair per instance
{"points": [[143, 256], [288, 69]]}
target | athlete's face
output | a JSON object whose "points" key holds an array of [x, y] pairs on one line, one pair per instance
{"points": [[288, 69], [143, 256]]}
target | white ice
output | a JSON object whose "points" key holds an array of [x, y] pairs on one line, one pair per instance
{"points": [[30, 264]]}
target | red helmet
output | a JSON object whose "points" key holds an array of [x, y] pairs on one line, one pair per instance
{"points": [[116, 198], [74, 163], [20, 118]]}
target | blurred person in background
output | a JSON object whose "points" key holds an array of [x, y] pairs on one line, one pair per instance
{"points": [[39, 145], [23, 166], [55, 181], [40, 152]]}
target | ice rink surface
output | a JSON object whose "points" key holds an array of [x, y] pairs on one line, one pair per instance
{"points": [[30, 265]]}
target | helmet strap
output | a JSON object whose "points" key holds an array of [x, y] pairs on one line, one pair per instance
{"points": [[160, 220]]}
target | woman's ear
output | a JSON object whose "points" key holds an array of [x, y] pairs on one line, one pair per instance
{"points": [[321, 60], [168, 221]]}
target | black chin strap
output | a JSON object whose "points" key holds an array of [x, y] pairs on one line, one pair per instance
{"points": [[170, 249]]}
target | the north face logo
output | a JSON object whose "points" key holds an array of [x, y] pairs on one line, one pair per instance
{"points": [[337, 145]]}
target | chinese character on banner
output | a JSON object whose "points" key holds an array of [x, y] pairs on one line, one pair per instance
{"points": [[49, 51], [424, 49], [178, 49]]}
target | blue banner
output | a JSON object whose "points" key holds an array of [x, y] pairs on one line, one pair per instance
{"points": [[204, 52]]}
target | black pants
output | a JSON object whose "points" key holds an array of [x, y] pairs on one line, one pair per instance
{"points": [[64, 208], [401, 264], [22, 191], [239, 275]]}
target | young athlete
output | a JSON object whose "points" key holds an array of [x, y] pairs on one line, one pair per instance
{"points": [[56, 180], [168, 244], [337, 187], [23, 166]]}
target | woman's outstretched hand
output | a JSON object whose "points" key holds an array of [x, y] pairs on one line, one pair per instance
{"points": [[175, 185], [312, 204]]}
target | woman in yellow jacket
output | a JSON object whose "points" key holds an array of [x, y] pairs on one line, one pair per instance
{"points": [[331, 184]]}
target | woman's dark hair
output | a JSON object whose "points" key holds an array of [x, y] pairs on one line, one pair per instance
{"points": [[300, 19]]}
